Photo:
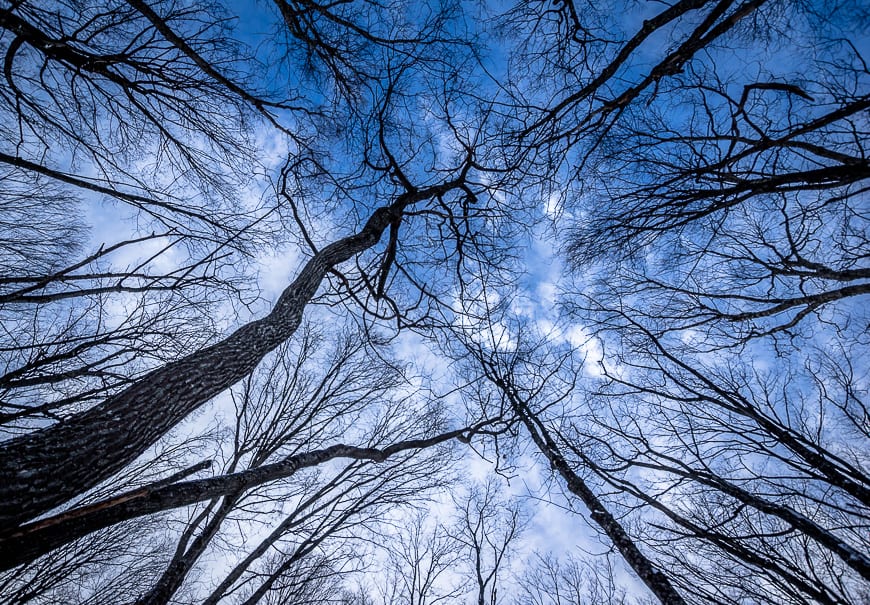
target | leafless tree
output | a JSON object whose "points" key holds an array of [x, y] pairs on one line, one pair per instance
{"points": [[90, 446], [573, 581], [289, 407], [701, 164], [717, 190], [111, 109], [522, 390], [421, 566], [304, 399], [763, 469], [490, 527]]}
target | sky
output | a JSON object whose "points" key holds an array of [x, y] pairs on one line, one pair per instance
{"points": [[527, 223]]}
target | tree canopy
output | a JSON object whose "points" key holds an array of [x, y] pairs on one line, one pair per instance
{"points": [[354, 302]]}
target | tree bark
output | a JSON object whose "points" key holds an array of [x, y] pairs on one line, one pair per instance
{"points": [[30, 541], [46, 468]]}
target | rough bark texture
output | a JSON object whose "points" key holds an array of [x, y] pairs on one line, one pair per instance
{"points": [[44, 469], [35, 539], [646, 570]]}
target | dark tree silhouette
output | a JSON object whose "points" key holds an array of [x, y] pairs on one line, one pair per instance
{"points": [[626, 238]]}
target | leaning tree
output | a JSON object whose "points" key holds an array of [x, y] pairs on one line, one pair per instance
{"points": [[625, 238]]}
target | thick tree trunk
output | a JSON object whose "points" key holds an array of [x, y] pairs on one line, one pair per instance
{"points": [[30, 541], [44, 469]]}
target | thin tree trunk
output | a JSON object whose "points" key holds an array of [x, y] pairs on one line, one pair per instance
{"points": [[646, 570], [173, 577]]}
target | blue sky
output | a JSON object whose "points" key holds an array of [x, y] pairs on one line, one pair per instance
{"points": [[502, 275]]}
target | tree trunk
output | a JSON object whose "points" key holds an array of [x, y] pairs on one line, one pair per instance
{"points": [[40, 537], [46, 468]]}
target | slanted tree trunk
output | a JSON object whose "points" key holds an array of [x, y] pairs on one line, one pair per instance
{"points": [[32, 540], [647, 571], [44, 469]]}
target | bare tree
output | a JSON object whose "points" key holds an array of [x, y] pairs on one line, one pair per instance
{"points": [[573, 581], [490, 527], [765, 469], [304, 399], [701, 164], [421, 566], [288, 407], [529, 386], [92, 445], [719, 241]]}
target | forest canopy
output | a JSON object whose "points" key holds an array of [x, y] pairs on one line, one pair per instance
{"points": [[533, 302]]}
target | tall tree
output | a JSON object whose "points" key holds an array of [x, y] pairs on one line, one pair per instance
{"points": [[180, 191], [713, 185], [47, 467]]}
